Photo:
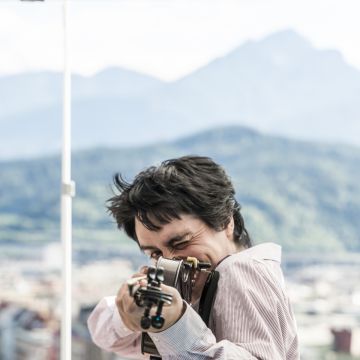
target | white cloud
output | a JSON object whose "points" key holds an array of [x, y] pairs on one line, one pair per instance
{"points": [[166, 38], [30, 38]]}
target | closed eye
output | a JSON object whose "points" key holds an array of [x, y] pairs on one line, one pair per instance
{"points": [[180, 245]]}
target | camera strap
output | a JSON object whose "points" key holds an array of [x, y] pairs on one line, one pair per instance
{"points": [[148, 346], [208, 296]]}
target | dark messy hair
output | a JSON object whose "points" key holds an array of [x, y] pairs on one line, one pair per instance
{"points": [[192, 185]]}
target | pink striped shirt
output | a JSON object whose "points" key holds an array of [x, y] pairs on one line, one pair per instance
{"points": [[251, 317]]}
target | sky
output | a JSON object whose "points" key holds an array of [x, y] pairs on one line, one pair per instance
{"points": [[163, 38]]}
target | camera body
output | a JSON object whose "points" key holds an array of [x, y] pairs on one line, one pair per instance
{"points": [[177, 273], [181, 273]]}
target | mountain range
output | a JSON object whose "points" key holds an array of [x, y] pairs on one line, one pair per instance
{"points": [[279, 85], [302, 195]]}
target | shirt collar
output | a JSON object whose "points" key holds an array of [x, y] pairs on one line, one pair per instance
{"points": [[265, 251]]}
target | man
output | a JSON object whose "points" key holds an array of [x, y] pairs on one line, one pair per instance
{"points": [[187, 207]]}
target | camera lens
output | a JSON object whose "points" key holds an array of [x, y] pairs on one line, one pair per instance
{"points": [[157, 321], [145, 322]]}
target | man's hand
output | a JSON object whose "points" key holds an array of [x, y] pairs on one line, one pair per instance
{"points": [[131, 314]]}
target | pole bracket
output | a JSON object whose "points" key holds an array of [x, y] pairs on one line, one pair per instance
{"points": [[68, 188]]}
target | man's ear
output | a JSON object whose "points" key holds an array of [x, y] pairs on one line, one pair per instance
{"points": [[229, 230]]}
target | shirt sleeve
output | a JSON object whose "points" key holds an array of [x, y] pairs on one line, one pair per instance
{"points": [[251, 316], [190, 339], [108, 331]]}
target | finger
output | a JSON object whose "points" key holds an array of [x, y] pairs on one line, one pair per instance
{"points": [[168, 289], [172, 291], [133, 289], [134, 284], [143, 269], [143, 282], [139, 274], [135, 279]]}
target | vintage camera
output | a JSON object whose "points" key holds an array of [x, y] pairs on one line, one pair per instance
{"points": [[177, 273], [180, 274]]}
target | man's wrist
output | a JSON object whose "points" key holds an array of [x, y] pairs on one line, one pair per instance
{"points": [[181, 336]]}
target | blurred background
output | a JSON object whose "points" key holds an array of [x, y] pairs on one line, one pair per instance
{"points": [[269, 89]]}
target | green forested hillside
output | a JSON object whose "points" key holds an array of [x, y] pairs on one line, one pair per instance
{"points": [[305, 196]]}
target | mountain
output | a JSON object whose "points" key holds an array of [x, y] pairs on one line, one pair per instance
{"points": [[280, 85], [303, 195], [32, 91]]}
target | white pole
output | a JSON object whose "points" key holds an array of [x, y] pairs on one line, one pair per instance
{"points": [[67, 191]]}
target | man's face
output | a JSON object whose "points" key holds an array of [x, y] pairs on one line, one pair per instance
{"points": [[187, 236]]}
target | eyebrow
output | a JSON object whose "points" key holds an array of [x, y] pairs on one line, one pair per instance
{"points": [[169, 243]]}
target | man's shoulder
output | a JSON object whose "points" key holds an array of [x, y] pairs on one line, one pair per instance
{"points": [[255, 267], [261, 253], [236, 267]]}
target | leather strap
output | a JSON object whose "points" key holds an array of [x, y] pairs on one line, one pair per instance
{"points": [[208, 296]]}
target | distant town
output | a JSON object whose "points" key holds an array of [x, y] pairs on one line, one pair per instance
{"points": [[324, 290]]}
